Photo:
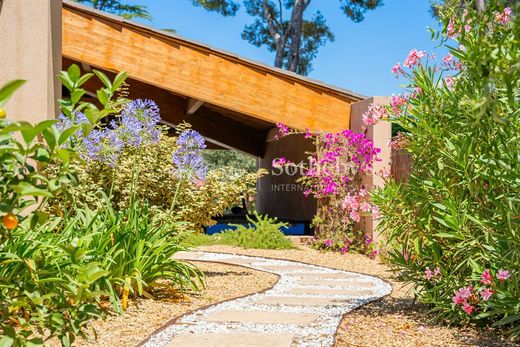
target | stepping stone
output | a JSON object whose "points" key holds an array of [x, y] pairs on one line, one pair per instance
{"points": [[333, 291], [345, 283], [283, 267], [263, 317], [186, 255], [293, 301], [238, 261], [232, 340], [323, 275]]}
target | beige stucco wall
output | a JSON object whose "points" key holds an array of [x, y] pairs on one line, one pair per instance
{"points": [[30, 43], [380, 134], [279, 195]]}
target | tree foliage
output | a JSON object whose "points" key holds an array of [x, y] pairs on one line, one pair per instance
{"points": [[283, 28], [119, 7]]}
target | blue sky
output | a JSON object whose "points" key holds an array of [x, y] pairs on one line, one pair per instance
{"points": [[359, 59]]}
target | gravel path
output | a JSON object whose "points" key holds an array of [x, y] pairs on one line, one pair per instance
{"points": [[304, 308]]}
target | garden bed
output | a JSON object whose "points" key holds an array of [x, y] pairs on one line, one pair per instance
{"points": [[144, 316], [392, 321]]}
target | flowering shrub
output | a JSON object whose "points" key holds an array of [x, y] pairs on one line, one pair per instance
{"points": [[132, 159], [453, 227], [333, 178]]}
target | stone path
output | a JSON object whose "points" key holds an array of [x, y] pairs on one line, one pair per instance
{"points": [[304, 308]]}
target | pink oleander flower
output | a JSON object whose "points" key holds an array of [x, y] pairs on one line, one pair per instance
{"points": [[449, 82], [487, 278], [328, 243], [396, 69], [486, 293], [452, 33], [503, 17], [414, 58], [374, 114], [344, 249], [397, 104], [468, 308], [428, 273], [503, 275], [462, 295], [448, 58]]}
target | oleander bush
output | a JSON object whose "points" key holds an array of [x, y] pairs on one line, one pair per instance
{"points": [[453, 227]]}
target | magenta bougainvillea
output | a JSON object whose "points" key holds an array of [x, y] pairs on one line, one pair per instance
{"points": [[332, 176]]}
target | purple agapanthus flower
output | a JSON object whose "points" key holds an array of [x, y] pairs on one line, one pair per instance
{"points": [[191, 140], [187, 160], [138, 123], [102, 145], [65, 122]]}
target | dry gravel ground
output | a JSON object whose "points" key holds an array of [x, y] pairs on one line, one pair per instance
{"points": [[392, 321], [144, 316]]}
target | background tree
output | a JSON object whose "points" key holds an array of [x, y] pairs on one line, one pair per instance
{"points": [[119, 7], [282, 26]]}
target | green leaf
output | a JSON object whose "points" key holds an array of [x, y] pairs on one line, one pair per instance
{"points": [[119, 80], [83, 79], [74, 73], [8, 89], [102, 97], [27, 189], [104, 79]]}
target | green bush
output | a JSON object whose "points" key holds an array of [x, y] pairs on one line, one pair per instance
{"points": [[48, 286], [453, 227], [262, 232]]}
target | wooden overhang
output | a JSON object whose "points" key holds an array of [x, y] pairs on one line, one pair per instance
{"points": [[232, 101]]}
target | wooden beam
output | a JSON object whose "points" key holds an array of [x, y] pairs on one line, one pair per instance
{"points": [[193, 105], [200, 73]]}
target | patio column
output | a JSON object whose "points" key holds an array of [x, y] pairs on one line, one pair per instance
{"points": [[30, 43], [380, 134]]}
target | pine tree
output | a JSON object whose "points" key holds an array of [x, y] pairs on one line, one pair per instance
{"points": [[283, 27]]}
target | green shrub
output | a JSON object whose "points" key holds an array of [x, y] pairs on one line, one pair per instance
{"points": [[263, 232], [196, 239], [48, 284], [454, 225]]}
